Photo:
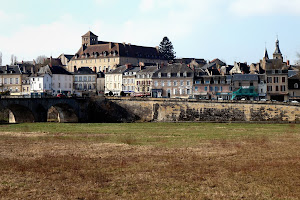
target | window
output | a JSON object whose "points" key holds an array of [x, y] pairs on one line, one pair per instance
{"points": [[205, 88], [197, 82], [207, 81], [84, 78], [10, 81], [169, 83], [188, 83], [80, 78], [269, 88], [162, 83], [296, 86], [40, 85], [269, 79], [17, 80], [216, 89], [155, 83], [175, 83], [59, 85], [283, 79], [196, 89], [221, 89], [181, 82], [76, 78], [90, 78], [282, 88], [276, 80], [277, 88]]}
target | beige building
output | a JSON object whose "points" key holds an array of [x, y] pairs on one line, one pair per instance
{"points": [[143, 80], [114, 79], [11, 79], [173, 81], [106, 56]]}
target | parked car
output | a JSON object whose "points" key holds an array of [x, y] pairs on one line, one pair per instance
{"points": [[294, 102], [61, 95]]}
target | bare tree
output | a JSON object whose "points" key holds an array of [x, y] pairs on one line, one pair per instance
{"points": [[0, 58], [40, 59], [13, 59]]}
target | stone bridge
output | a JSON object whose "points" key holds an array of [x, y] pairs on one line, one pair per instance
{"points": [[63, 110]]}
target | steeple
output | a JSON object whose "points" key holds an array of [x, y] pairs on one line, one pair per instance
{"points": [[266, 54], [277, 54], [89, 39]]}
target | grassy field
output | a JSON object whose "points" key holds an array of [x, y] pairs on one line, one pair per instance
{"points": [[150, 161]]}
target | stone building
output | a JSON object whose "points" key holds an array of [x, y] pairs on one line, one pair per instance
{"points": [[143, 80], [114, 80], [173, 81], [294, 87], [106, 56], [85, 82], [11, 79]]}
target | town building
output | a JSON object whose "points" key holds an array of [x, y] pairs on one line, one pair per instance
{"points": [[11, 79], [173, 81], [41, 83], [129, 83], [100, 83], [85, 82], [113, 80], [143, 80], [107, 56], [62, 80], [65, 58], [294, 87]]}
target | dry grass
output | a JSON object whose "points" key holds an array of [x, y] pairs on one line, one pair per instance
{"points": [[67, 166]]}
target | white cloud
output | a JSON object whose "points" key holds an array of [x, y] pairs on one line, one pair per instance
{"points": [[265, 7], [6, 18]]}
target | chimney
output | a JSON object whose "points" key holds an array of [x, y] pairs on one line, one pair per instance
{"points": [[128, 66], [95, 70], [288, 62], [32, 71], [142, 65], [50, 64], [24, 69]]}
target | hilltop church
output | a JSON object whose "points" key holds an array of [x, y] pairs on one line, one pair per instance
{"points": [[103, 56]]}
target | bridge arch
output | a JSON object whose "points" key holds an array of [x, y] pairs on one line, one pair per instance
{"points": [[20, 114], [62, 113]]}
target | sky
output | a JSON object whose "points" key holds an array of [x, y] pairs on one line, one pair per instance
{"points": [[231, 30]]}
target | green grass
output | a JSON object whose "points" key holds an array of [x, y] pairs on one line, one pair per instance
{"points": [[157, 134]]}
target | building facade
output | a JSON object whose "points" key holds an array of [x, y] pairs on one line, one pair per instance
{"points": [[106, 56]]}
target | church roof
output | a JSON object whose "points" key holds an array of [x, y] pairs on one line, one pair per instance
{"points": [[266, 54], [277, 49], [88, 34]]}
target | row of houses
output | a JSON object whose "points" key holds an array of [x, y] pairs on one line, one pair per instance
{"points": [[49, 80], [181, 81]]}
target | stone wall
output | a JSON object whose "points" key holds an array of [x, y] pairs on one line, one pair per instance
{"points": [[175, 110]]}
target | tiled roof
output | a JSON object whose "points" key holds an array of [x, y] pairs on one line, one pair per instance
{"points": [[14, 69], [84, 70], [89, 33], [53, 70], [117, 49], [174, 69], [245, 77]]}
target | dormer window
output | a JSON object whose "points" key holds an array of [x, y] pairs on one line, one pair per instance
{"points": [[159, 75], [169, 75], [184, 74], [296, 86], [178, 74]]}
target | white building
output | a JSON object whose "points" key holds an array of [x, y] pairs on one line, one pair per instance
{"points": [[62, 80], [41, 83]]}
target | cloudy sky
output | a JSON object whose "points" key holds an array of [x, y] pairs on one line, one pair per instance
{"points": [[232, 30]]}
